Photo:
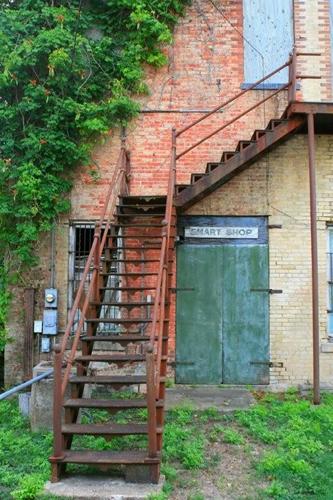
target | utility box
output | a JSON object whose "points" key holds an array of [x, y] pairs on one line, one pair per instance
{"points": [[50, 317], [51, 298]]}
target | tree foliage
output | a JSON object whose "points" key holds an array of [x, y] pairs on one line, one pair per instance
{"points": [[68, 70]]}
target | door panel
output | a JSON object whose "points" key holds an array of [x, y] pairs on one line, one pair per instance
{"points": [[199, 321], [245, 315]]}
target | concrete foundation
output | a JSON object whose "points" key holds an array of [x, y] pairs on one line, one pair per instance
{"points": [[41, 402], [224, 398], [88, 488]]}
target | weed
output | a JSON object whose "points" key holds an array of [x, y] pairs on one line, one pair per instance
{"points": [[232, 437], [169, 383], [276, 490], [220, 484], [28, 487], [211, 413], [196, 496], [169, 472], [229, 435]]}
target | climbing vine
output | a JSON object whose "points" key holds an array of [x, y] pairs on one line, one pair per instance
{"points": [[68, 73]]}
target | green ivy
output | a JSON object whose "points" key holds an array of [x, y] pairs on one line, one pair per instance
{"points": [[68, 71]]}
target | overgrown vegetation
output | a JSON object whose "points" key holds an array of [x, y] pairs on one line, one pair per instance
{"points": [[68, 70], [295, 440], [300, 461]]}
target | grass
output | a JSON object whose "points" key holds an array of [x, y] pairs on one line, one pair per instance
{"points": [[299, 460], [295, 440]]}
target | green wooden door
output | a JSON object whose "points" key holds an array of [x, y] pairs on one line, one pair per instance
{"points": [[245, 314], [199, 321], [222, 324]]}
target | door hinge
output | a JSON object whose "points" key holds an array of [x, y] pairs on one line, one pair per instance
{"points": [[271, 364], [267, 290], [174, 363]]}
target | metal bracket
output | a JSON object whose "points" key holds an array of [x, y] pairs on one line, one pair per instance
{"points": [[175, 290], [174, 363], [267, 290], [271, 364]]}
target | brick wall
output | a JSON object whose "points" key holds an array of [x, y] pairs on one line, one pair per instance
{"points": [[312, 34], [205, 68], [278, 186]]}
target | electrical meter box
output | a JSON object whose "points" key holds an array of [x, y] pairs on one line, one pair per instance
{"points": [[50, 317], [51, 298]]}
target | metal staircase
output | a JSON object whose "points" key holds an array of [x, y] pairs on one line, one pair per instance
{"points": [[234, 162], [122, 303]]}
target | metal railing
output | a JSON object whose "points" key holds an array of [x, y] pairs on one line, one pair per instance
{"points": [[26, 384], [291, 86]]}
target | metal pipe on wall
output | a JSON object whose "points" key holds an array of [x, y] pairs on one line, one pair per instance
{"points": [[314, 259]]}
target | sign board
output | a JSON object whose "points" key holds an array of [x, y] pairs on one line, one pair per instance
{"points": [[221, 232]]}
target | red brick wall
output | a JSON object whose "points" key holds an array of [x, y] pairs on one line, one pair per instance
{"points": [[205, 68]]}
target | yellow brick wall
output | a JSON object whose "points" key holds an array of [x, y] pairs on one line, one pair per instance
{"points": [[312, 34], [278, 186]]}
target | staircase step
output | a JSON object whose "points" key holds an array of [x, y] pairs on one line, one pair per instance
{"points": [[139, 236], [123, 304], [226, 155], [107, 429], [134, 273], [212, 166], [121, 225], [275, 123], [135, 247], [197, 177], [180, 187], [112, 358], [124, 200], [110, 379], [127, 288], [244, 144], [258, 133], [133, 261], [108, 457], [138, 214], [120, 320], [127, 337], [114, 404]]}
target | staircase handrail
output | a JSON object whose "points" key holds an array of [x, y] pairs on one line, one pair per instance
{"points": [[116, 187], [154, 356], [291, 85]]}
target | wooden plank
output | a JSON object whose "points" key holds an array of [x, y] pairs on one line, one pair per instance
{"points": [[199, 324], [106, 429], [245, 314], [109, 403], [116, 379], [117, 338], [111, 358], [108, 457]]}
